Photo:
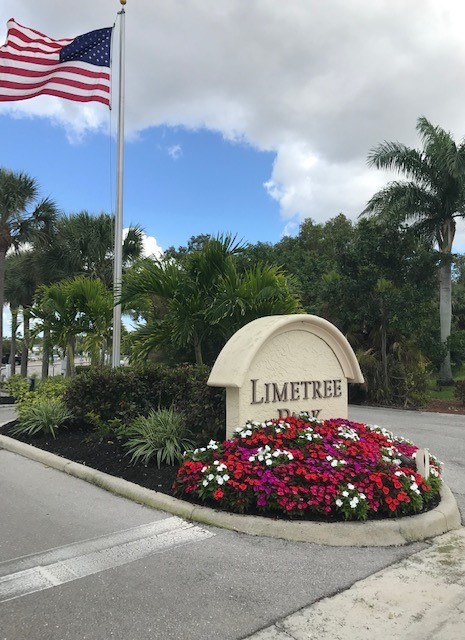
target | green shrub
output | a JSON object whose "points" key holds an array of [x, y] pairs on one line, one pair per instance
{"points": [[408, 377], [106, 394], [161, 435], [41, 415], [17, 386], [98, 396], [52, 387], [459, 391]]}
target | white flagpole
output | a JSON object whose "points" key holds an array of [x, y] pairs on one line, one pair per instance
{"points": [[118, 245]]}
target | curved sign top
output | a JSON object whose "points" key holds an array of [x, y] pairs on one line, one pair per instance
{"points": [[276, 366]]}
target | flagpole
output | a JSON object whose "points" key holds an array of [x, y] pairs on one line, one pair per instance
{"points": [[118, 245]]}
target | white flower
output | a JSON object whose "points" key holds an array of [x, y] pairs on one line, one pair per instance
{"points": [[329, 458], [225, 477], [339, 502], [290, 456], [350, 486], [205, 483], [219, 479], [334, 463], [362, 496], [345, 494], [354, 502], [252, 459], [210, 476], [268, 462], [414, 486], [260, 458]]}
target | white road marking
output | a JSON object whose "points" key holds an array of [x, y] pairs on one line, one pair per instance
{"points": [[52, 568]]}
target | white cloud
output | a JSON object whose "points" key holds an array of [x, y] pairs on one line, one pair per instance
{"points": [[150, 246], [318, 83], [175, 151]]}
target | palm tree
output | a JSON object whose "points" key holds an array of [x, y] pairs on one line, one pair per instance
{"points": [[205, 297], [20, 287], [430, 199], [83, 244], [81, 305], [19, 192]]}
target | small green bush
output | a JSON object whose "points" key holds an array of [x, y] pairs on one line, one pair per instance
{"points": [[17, 386], [41, 415], [52, 387], [459, 391], [161, 435]]}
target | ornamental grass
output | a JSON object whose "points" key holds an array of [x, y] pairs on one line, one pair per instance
{"points": [[305, 468]]}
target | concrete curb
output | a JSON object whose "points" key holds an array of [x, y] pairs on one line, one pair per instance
{"points": [[382, 533]]}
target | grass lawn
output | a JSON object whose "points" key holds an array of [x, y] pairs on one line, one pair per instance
{"points": [[437, 392]]}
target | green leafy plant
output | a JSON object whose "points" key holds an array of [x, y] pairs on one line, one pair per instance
{"points": [[43, 415], [52, 387], [161, 435], [16, 386]]}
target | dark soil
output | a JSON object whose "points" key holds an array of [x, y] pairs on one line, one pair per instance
{"points": [[105, 455], [445, 406]]}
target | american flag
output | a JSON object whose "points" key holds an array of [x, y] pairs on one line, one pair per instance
{"points": [[32, 64]]}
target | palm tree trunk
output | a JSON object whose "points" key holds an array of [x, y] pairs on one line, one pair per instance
{"points": [[46, 353], [70, 368], [445, 315], [14, 329], [26, 339], [198, 350], [2, 297]]}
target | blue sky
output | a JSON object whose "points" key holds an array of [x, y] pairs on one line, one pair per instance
{"points": [[178, 183]]}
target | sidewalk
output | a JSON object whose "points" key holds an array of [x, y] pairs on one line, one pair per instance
{"points": [[419, 598]]}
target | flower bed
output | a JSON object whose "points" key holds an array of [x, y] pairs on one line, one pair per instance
{"points": [[310, 469]]}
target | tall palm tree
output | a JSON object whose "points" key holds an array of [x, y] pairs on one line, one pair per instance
{"points": [[20, 287], [83, 244], [18, 193], [430, 199]]}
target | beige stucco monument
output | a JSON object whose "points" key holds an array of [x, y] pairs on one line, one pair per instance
{"points": [[279, 365]]}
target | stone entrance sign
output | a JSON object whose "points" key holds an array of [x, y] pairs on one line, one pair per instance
{"points": [[280, 365]]}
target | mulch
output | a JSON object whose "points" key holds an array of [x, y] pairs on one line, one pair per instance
{"points": [[104, 455], [445, 406]]}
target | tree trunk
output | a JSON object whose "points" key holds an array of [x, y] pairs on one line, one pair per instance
{"points": [[2, 298], [14, 329], [70, 368], [46, 353], [26, 339], [445, 240], [198, 350], [445, 316], [384, 351]]}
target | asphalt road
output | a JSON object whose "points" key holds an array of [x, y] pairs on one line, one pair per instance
{"points": [[147, 577]]}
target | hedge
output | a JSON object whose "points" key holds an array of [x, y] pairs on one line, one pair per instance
{"points": [[123, 393]]}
